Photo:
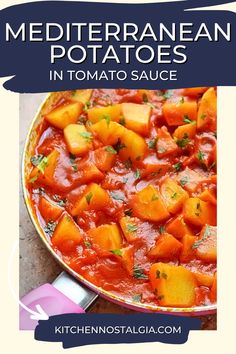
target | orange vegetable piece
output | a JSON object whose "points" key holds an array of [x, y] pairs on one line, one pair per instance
{"points": [[147, 204], [94, 198], [187, 253], [129, 226], [198, 212], [185, 131], [208, 196], [206, 116], [67, 234], [49, 209], [108, 132], [136, 117], [107, 237], [165, 143], [166, 247], [175, 112], [206, 245], [177, 227], [204, 279], [194, 91], [173, 195], [65, 114], [105, 158], [112, 113], [134, 146], [45, 170], [78, 139], [127, 259], [173, 285], [82, 96]]}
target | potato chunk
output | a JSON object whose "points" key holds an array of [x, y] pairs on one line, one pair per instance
{"points": [[108, 132], [66, 234], [49, 210], [107, 237], [187, 252], [177, 227], [175, 112], [105, 158], [136, 117], [206, 244], [65, 114], [173, 195], [166, 247], [78, 139], [134, 146], [129, 226], [173, 285], [82, 96], [148, 205], [94, 198], [198, 212], [165, 143], [185, 131], [112, 113], [206, 116], [44, 171]]}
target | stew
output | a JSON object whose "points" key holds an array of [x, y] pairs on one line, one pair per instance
{"points": [[123, 183]]}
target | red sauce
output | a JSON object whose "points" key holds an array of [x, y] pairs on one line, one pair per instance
{"points": [[72, 174]]}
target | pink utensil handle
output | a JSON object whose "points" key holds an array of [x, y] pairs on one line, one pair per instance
{"points": [[52, 302]]}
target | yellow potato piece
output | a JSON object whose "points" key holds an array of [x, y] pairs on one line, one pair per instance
{"points": [[173, 195], [78, 139], [107, 237], [173, 285], [65, 114]]}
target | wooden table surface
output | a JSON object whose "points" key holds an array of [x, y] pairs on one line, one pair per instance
{"points": [[37, 266]]}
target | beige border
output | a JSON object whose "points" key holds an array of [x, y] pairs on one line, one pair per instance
{"points": [[12, 340]]}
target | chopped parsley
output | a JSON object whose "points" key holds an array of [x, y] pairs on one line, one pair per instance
{"points": [[87, 244], [111, 150], [137, 297], [168, 94], [161, 229], [154, 197], [200, 155], [182, 143], [86, 135], [117, 252], [119, 146], [117, 196], [107, 119], [86, 106], [183, 180], [187, 120], [72, 161], [129, 212], [61, 202], [152, 143], [160, 275], [205, 236], [50, 227], [138, 272], [132, 227], [122, 121], [181, 101], [203, 116], [145, 98], [88, 197], [178, 166], [137, 174], [36, 159], [174, 195]]}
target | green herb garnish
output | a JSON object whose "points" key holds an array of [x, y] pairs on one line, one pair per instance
{"points": [[152, 143], [187, 120], [138, 273], [200, 155], [132, 227], [88, 197], [117, 252], [205, 236], [128, 212], [86, 135], [137, 174], [183, 180], [182, 143], [122, 121], [168, 94], [137, 297], [50, 227], [61, 202], [154, 197], [111, 150], [178, 166], [36, 159], [117, 196]]}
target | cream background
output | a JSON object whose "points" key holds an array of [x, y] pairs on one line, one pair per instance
{"points": [[12, 340]]}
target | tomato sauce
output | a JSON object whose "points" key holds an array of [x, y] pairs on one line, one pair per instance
{"points": [[170, 157]]}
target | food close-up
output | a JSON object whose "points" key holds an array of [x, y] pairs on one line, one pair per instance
{"points": [[121, 184]]}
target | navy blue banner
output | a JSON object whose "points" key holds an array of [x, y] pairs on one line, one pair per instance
{"points": [[61, 45], [82, 329]]}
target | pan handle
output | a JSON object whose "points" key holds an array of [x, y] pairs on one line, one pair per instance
{"points": [[64, 295]]}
